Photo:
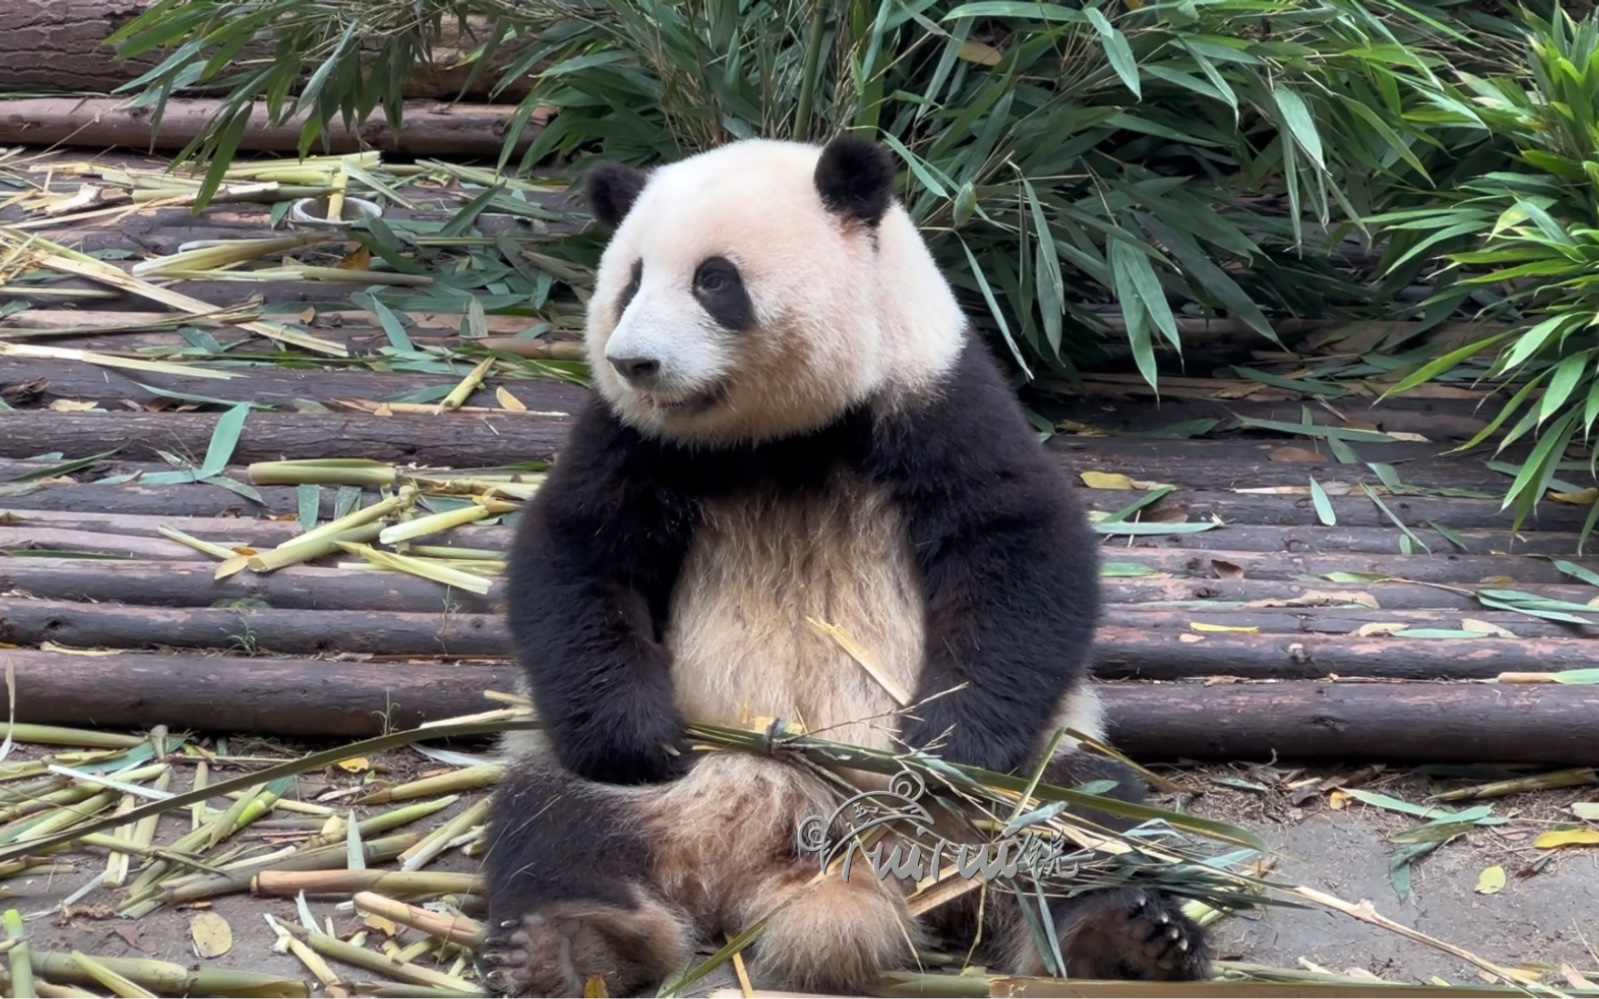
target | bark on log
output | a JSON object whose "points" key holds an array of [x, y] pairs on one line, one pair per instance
{"points": [[1136, 654], [1123, 649], [252, 531], [1330, 621], [1289, 510], [1379, 541], [1444, 420], [452, 441], [1198, 593], [59, 45], [427, 128], [26, 382], [196, 499], [1395, 722], [193, 584], [250, 630], [498, 441], [1506, 572], [281, 697], [1545, 724]]}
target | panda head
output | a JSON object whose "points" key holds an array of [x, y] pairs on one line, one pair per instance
{"points": [[761, 290]]}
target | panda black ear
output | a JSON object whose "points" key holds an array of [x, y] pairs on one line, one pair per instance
{"points": [[610, 190], [856, 179]]}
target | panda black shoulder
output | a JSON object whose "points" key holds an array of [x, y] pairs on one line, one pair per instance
{"points": [[1006, 559]]}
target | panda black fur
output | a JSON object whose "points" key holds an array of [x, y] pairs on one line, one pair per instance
{"points": [[794, 423]]}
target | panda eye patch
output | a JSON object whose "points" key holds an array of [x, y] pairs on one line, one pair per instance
{"points": [[635, 278], [719, 288]]}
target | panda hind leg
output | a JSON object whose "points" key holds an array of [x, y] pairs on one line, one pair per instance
{"points": [[728, 843], [1113, 933], [570, 893]]}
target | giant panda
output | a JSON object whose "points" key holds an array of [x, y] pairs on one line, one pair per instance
{"points": [[793, 423]]}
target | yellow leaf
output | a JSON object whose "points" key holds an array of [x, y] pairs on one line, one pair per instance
{"points": [[381, 925], [1582, 498], [1338, 799], [509, 401], [1490, 880], [1106, 480], [1227, 628], [594, 988], [212, 935], [357, 765], [1484, 628], [981, 53], [1567, 837], [70, 406], [1380, 628]]}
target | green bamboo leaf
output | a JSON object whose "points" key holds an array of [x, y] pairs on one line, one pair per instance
{"points": [[1569, 372], [1324, 510], [224, 441], [1117, 51], [1299, 121]]}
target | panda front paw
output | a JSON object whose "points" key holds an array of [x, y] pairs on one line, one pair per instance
{"points": [[652, 750], [1133, 934]]}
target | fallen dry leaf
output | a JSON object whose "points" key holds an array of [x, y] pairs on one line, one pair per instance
{"points": [[1106, 480], [1338, 799], [1298, 454], [212, 935], [1583, 498], [72, 406], [1380, 628], [1586, 810], [1226, 570], [1190, 638], [1231, 629], [1567, 837], [1490, 880], [356, 765], [1484, 628], [509, 401]]}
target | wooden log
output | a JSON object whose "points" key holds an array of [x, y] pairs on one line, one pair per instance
{"points": [[60, 45], [496, 441], [193, 584], [461, 440], [1196, 594], [1545, 724], [1331, 621], [1505, 572], [1287, 510], [427, 128], [1129, 646], [1312, 539], [1443, 420], [1246, 464], [38, 382], [1395, 722], [160, 583], [281, 697], [1136, 654], [227, 531], [252, 630], [196, 499]]}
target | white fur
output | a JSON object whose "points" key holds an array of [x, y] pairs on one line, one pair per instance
{"points": [[838, 322]]}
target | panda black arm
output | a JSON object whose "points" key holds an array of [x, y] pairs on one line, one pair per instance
{"points": [[593, 561], [1009, 569]]}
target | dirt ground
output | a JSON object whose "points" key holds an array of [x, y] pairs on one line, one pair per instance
{"points": [[1542, 917]]}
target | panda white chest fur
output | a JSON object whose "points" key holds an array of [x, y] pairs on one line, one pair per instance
{"points": [[804, 609]]}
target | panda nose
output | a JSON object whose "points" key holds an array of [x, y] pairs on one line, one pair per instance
{"points": [[636, 369]]}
